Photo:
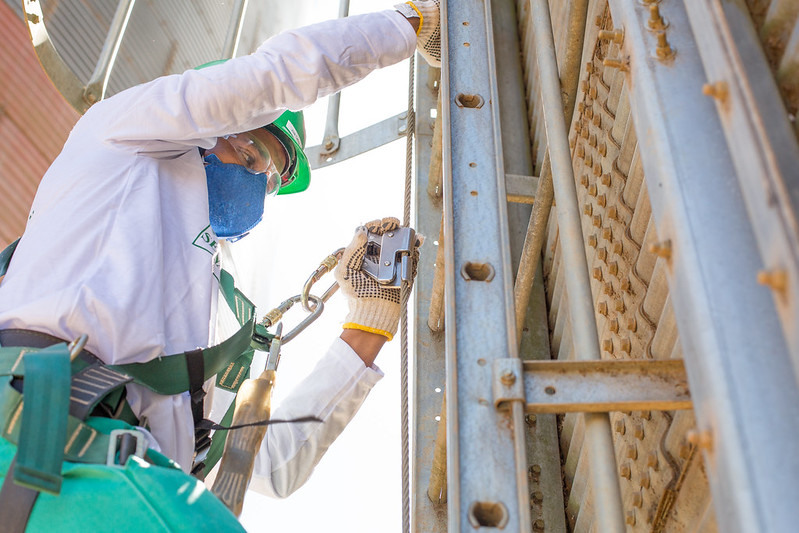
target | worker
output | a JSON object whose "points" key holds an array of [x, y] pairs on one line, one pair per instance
{"points": [[122, 242]]}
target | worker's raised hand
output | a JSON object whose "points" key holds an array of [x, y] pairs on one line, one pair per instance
{"points": [[373, 307], [429, 33]]}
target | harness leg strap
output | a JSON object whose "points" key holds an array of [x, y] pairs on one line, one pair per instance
{"points": [[16, 503]]}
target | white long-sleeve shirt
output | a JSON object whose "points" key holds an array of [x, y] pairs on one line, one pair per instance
{"points": [[118, 243]]}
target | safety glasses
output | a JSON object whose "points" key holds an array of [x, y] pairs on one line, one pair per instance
{"points": [[258, 154]]}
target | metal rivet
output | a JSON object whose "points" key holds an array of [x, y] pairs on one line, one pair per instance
{"points": [[537, 496], [661, 249], [387, 263], [538, 525], [776, 279], [530, 420]]}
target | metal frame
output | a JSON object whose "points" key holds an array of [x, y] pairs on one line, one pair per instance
{"points": [[742, 378]]}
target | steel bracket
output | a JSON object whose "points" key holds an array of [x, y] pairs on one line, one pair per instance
{"points": [[507, 382]]}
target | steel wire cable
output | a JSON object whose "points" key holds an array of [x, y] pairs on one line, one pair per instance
{"points": [[405, 293]]}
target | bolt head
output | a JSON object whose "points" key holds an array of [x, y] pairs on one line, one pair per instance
{"points": [[508, 379]]}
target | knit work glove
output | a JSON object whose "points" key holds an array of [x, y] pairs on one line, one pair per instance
{"points": [[373, 307], [428, 38]]}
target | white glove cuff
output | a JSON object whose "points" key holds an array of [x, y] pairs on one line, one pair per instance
{"points": [[374, 315]]}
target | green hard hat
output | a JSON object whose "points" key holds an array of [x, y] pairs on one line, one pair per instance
{"points": [[289, 128]]}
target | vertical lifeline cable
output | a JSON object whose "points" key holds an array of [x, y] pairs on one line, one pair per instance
{"points": [[406, 221]]}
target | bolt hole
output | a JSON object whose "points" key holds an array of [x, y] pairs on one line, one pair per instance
{"points": [[438, 418], [472, 165], [474, 101], [481, 362], [473, 193], [438, 389], [550, 390], [477, 272], [488, 514]]}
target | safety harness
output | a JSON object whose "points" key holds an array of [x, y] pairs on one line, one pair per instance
{"points": [[66, 386]]}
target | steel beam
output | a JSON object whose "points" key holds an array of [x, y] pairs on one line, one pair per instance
{"points": [[486, 456], [743, 385], [592, 386]]}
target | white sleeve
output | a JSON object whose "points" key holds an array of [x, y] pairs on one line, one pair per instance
{"points": [[333, 392], [289, 71]]}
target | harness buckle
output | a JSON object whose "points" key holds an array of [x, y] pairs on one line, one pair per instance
{"points": [[393, 266], [126, 442]]}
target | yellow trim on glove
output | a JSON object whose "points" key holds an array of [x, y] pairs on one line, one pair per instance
{"points": [[421, 21], [353, 325]]}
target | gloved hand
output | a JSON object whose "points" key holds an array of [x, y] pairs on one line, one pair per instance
{"points": [[428, 36], [373, 308]]}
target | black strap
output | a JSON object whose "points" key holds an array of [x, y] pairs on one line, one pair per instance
{"points": [[195, 366], [16, 503]]}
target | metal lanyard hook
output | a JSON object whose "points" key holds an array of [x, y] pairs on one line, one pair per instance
{"points": [[393, 245], [327, 265]]}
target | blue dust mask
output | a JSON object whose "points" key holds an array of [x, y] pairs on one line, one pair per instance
{"points": [[235, 198]]}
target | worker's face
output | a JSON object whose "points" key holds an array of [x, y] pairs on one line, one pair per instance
{"points": [[258, 151]]}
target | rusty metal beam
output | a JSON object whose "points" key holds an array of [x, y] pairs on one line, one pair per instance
{"points": [[593, 386]]}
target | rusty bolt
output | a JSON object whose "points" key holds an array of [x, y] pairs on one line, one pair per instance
{"points": [[614, 325], [701, 439], [588, 209], [592, 241], [632, 324], [629, 518], [602, 308], [638, 430], [619, 427], [596, 273], [664, 50], [535, 469], [661, 249], [656, 20], [718, 90], [606, 179], [538, 525], [652, 460], [645, 480], [620, 305], [619, 63], [617, 36], [508, 378], [529, 420], [776, 279], [625, 471], [602, 254], [597, 221], [592, 190], [537, 496], [607, 345], [613, 268]]}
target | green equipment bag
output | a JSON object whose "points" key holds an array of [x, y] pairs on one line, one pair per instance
{"points": [[146, 494]]}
